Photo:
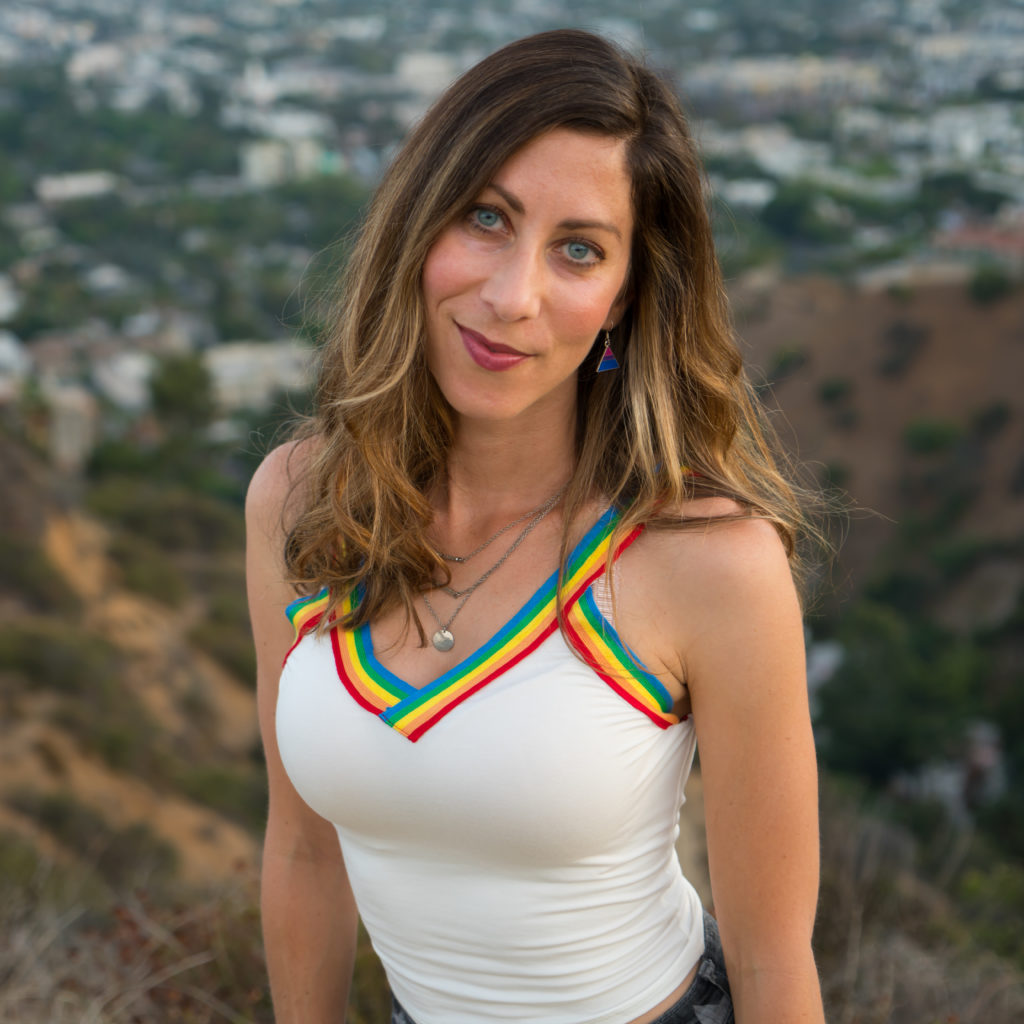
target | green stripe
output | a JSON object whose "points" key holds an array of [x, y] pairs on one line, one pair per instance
{"points": [[603, 627]]}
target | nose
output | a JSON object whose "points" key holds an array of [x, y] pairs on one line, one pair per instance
{"points": [[514, 286]]}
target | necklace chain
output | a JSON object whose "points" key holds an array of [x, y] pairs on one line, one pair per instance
{"points": [[541, 509], [443, 639]]}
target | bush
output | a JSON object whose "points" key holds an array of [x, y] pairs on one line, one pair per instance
{"points": [[902, 343], [28, 573], [169, 517], [990, 420], [230, 646], [899, 698], [53, 655], [238, 794], [835, 390], [957, 556], [989, 284], [928, 436], [146, 570], [119, 855], [787, 361], [226, 635]]}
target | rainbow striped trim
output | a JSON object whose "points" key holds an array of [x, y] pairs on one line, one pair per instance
{"points": [[413, 711]]}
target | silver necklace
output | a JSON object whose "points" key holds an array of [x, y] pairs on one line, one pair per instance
{"points": [[443, 638], [541, 509]]}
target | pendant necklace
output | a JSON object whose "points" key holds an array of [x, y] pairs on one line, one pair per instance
{"points": [[541, 509], [443, 638]]}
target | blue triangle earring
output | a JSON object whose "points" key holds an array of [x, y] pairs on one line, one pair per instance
{"points": [[608, 360]]}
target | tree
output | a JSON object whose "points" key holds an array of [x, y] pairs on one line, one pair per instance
{"points": [[181, 390]]}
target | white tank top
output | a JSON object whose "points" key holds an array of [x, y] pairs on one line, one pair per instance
{"points": [[509, 829]]}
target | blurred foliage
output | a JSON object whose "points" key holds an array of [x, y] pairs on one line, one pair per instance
{"points": [[902, 342], [927, 436], [239, 793], [168, 516], [50, 654], [145, 570], [224, 633], [122, 856], [900, 697], [181, 391], [27, 572], [989, 284]]}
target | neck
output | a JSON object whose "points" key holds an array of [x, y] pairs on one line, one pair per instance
{"points": [[499, 469]]}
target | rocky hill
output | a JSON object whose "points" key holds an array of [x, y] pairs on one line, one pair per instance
{"points": [[128, 744], [912, 402]]}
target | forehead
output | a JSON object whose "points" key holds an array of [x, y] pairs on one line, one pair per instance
{"points": [[573, 168]]}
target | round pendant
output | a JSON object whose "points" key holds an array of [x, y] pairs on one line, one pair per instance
{"points": [[443, 640]]}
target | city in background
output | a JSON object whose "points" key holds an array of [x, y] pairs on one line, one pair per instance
{"points": [[177, 183]]}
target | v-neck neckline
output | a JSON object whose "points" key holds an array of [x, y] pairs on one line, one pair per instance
{"points": [[412, 710], [599, 532]]}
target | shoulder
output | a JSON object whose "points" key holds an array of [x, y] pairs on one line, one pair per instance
{"points": [[717, 545], [270, 500]]}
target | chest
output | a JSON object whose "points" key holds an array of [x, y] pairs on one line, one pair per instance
{"points": [[545, 764]]}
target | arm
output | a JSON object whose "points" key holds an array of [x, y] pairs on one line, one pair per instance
{"points": [[309, 915], [741, 644]]}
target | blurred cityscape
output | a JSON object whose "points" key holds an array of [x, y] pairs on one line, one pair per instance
{"points": [[178, 183], [175, 173]]}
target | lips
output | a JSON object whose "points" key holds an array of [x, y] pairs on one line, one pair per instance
{"points": [[491, 355]]}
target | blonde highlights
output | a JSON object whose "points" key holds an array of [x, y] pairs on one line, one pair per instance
{"points": [[678, 419]]}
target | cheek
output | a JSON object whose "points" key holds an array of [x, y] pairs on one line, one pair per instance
{"points": [[443, 273]]}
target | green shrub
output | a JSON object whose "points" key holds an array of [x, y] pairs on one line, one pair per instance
{"points": [[993, 901], [902, 342], [28, 573], [928, 436], [956, 557], [226, 635], [146, 570], [899, 698], [119, 855], [230, 645], [989, 284], [991, 420], [835, 390], [238, 793], [787, 361], [171, 518], [53, 655]]}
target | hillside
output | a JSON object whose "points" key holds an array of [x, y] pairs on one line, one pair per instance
{"points": [[131, 790], [906, 400]]}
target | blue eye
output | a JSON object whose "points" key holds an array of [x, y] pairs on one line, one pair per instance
{"points": [[578, 252], [486, 218]]}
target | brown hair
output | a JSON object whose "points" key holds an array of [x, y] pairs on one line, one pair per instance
{"points": [[382, 429]]}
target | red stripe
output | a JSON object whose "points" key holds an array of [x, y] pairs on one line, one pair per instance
{"points": [[580, 644], [582, 588], [307, 627], [339, 662], [497, 671]]}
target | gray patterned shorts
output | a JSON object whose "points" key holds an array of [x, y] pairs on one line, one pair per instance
{"points": [[706, 1001]]}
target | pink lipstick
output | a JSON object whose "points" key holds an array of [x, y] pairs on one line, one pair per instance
{"points": [[491, 355]]}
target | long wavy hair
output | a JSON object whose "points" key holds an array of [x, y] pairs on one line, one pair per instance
{"points": [[677, 420]]}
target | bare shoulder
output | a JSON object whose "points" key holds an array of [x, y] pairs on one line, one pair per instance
{"points": [[272, 490], [722, 552]]}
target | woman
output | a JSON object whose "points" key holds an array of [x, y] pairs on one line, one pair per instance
{"points": [[541, 549]]}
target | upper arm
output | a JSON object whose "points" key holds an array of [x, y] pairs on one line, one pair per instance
{"points": [[740, 637], [291, 824]]}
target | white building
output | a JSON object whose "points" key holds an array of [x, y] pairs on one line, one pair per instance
{"points": [[248, 374], [63, 188]]}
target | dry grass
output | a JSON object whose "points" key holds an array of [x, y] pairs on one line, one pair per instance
{"points": [[891, 948]]}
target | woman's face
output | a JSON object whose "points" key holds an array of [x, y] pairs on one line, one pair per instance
{"points": [[517, 289]]}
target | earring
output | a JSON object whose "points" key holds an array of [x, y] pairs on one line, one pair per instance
{"points": [[608, 360]]}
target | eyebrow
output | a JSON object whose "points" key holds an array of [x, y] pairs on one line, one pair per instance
{"points": [[569, 225]]}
